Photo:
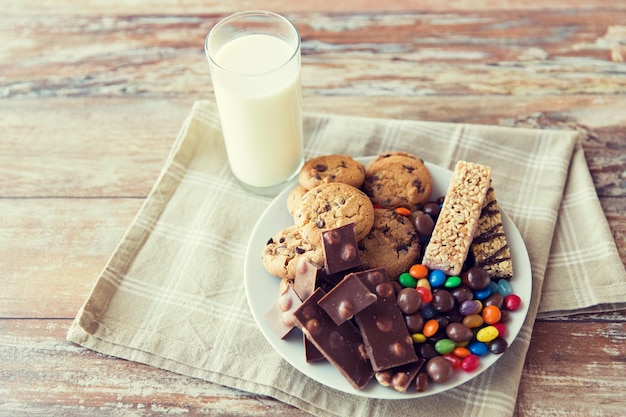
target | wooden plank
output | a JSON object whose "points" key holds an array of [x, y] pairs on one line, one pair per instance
{"points": [[552, 52], [106, 152], [44, 375], [574, 369], [164, 7], [52, 251]]}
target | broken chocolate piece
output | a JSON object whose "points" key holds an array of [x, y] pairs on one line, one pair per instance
{"points": [[340, 249], [387, 339], [400, 378], [348, 297], [280, 314], [341, 345], [311, 353], [307, 278]]}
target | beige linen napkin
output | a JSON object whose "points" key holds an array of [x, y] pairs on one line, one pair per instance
{"points": [[172, 294]]}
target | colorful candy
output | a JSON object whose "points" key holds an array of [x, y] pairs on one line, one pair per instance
{"points": [[407, 281]]}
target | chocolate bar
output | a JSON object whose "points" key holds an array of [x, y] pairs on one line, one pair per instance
{"points": [[453, 233], [340, 249], [280, 314], [341, 345], [400, 378], [387, 340], [348, 297], [311, 353], [307, 278]]}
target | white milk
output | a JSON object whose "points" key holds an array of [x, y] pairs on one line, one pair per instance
{"points": [[259, 102]]}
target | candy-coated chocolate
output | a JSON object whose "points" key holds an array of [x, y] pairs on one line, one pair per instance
{"points": [[403, 211], [512, 302], [455, 361], [504, 287], [432, 209], [409, 301], [469, 307], [418, 338], [487, 334], [421, 382], [426, 294], [477, 278], [424, 224], [495, 299], [414, 322], [439, 369], [501, 327], [430, 328], [478, 348], [423, 283], [418, 271], [491, 314], [443, 301], [462, 293], [452, 282], [473, 321], [482, 294], [444, 346], [407, 281], [498, 345], [461, 352], [428, 311], [458, 332], [426, 350], [470, 363], [436, 278]]}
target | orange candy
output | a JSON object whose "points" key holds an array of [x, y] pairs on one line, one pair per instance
{"points": [[418, 271], [491, 314], [461, 352], [403, 211], [430, 328]]}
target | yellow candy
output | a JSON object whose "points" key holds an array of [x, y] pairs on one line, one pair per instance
{"points": [[487, 334], [418, 338], [423, 282]]}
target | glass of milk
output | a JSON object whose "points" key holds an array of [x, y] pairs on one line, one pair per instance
{"points": [[254, 59]]}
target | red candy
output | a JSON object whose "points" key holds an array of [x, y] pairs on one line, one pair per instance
{"points": [[455, 361], [501, 329], [512, 302], [470, 363], [425, 294]]}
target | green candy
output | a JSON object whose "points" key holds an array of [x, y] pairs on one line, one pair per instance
{"points": [[452, 282], [444, 346], [407, 281]]}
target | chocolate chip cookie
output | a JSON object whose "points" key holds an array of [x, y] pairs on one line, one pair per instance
{"points": [[331, 168], [398, 179], [392, 243], [283, 251], [331, 205]]}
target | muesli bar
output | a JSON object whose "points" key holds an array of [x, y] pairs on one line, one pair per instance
{"points": [[453, 233], [489, 247]]}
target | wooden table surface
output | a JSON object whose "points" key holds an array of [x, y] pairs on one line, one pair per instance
{"points": [[92, 97]]}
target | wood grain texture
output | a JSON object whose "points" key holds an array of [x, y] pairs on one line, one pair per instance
{"points": [[92, 96]]}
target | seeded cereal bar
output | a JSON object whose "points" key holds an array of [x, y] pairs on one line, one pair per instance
{"points": [[490, 247], [458, 219]]}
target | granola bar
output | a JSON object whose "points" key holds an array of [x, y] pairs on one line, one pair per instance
{"points": [[490, 248], [452, 236]]}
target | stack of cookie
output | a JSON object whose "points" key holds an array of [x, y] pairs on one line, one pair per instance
{"points": [[335, 190]]}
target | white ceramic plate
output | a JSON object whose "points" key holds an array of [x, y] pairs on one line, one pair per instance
{"points": [[262, 290]]}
